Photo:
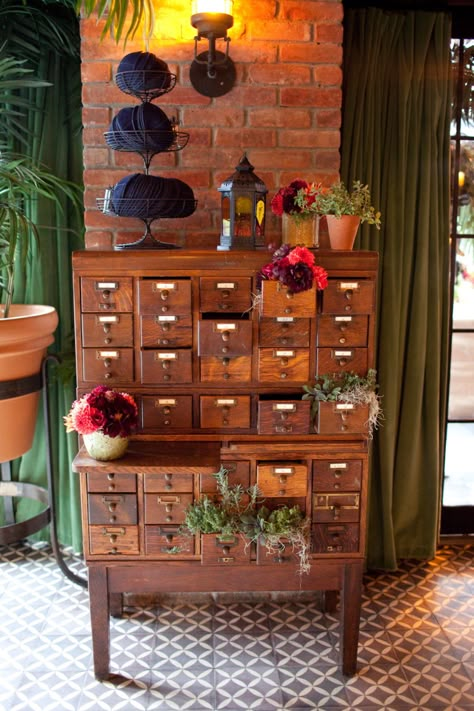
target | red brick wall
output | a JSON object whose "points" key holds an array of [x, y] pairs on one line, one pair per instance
{"points": [[284, 111]]}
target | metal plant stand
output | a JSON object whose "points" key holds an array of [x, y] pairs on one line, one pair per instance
{"points": [[12, 531]]}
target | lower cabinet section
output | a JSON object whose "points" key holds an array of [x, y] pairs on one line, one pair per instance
{"points": [[168, 541], [113, 540], [224, 550], [335, 538]]}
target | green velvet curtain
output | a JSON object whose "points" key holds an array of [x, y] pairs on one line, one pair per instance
{"points": [[395, 137], [56, 141]]}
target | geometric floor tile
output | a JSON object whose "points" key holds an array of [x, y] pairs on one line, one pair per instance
{"points": [[416, 645]]}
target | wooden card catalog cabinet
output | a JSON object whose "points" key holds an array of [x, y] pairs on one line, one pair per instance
{"points": [[217, 368]]}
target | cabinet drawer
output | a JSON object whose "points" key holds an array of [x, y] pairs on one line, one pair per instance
{"points": [[237, 473], [225, 338], [167, 413], [284, 331], [330, 507], [167, 331], [112, 508], [166, 508], [337, 417], [168, 483], [283, 365], [350, 296], [277, 556], [113, 540], [276, 300], [168, 367], [225, 295], [337, 475], [344, 359], [282, 479], [167, 541], [342, 330], [164, 296], [335, 538], [101, 483], [283, 417], [107, 365], [233, 370], [224, 550], [106, 294], [103, 330], [225, 412]]}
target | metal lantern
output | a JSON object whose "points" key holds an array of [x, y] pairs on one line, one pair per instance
{"points": [[243, 209]]}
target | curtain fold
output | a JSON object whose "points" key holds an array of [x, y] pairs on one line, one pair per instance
{"points": [[395, 137]]}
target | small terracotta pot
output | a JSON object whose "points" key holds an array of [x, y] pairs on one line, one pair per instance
{"points": [[342, 230]]}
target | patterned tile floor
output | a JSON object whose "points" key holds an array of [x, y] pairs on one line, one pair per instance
{"points": [[416, 645]]}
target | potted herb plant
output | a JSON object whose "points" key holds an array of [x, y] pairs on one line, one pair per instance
{"points": [[345, 210]]}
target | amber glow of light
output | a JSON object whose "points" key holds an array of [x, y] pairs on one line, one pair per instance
{"points": [[461, 178], [199, 6]]}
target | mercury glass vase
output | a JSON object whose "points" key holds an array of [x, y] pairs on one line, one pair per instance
{"points": [[104, 448], [303, 231]]}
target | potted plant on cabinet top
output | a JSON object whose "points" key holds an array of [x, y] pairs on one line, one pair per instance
{"points": [[345, 210], [25, 330]]}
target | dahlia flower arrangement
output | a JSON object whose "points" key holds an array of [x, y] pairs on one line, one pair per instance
{"points": [[113, 413], [295, 268], [299, 199]]}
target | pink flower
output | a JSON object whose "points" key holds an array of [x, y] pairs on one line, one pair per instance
{"points": [[301, 254], [111, 412]]}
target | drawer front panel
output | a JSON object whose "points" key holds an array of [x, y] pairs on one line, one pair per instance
{"points": [[276, 300], [282, 479], [225, 295], [331, 508], [166, 508], [225, 338], [166, 367], [348, 296], [107, 365], [167, 541], [102, 483], [284, 417], [335, 538], [225, 412], [283, 365], [284, 331], [164, 296], [168, 483], [175, 331], [337, 475], [237, 473], [104, 330], [105, 295], [340, 360], [232, 370], [339, 417], [219, 550], [343, 331], [113, 508], [167, 413], [276, 556], [113, 540]]}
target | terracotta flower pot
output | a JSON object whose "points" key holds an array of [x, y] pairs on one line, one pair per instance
{"points": [[342, 230]]}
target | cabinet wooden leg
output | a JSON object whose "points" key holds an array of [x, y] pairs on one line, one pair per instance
{"points": [[351, 597], [116, 604], [330, 600], [99, 609]]}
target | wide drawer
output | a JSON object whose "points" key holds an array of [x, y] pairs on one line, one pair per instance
{"points": [[112, 508], [113, 540], [166, 508], [238, 473], [107, 365], [337, 330], [277, 300], [224, 550], [350, 296], [168, 367], [342, 417], [168, 483], [164, 296], [225, 338], [107, 330], [166, 331], [335, 538], [98, 482], [225, 412], [232, 370], [282, 479], [330, 507], [166, 413], [167, 541], [337, 475], [222, 295], [343, 359], [107, 294], [283, 365], [284, 416], [284, 331]]}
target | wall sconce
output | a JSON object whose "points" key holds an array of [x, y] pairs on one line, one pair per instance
{"points": [[212, 73]]}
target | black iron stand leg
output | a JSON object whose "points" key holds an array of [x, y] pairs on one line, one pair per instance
{"points": [[49, 470]]}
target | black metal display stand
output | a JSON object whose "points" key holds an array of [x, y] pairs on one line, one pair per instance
{"points": [[12, 531]]}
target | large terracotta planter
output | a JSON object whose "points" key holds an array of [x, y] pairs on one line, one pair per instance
{"points": [[24, 338], [342, 230]]}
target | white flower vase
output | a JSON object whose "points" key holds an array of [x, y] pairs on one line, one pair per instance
{"points": [[104, 448]]}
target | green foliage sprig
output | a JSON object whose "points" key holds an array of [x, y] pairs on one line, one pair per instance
{"points": [[338, 200]]}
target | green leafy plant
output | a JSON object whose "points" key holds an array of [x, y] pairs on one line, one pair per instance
{"points": [[338, 200]]}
